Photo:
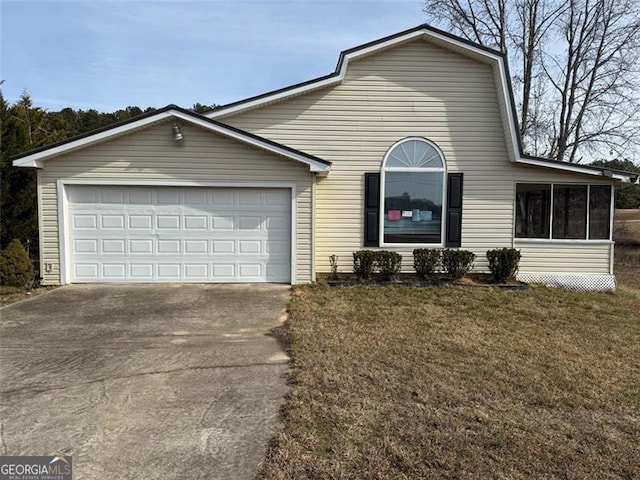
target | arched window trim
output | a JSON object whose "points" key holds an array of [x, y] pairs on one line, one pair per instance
{"points": [[384, 169], [399, 143]]}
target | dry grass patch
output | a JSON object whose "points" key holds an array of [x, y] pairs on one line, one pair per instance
{"points": [[627, 267], [626, 227], [626, 233], [9, 295], [460, 383]]}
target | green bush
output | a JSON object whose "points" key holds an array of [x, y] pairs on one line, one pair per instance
{"points": [[388, 263], [426, 261], [16, 270], [457, 263], [503, 263], [364, 263]]}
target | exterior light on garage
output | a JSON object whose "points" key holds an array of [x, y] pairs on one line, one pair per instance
{"points": [[177, 133]]}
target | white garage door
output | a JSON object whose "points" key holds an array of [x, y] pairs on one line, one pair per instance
{"points": [[179, 234]]}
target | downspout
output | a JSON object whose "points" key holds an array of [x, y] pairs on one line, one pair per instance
{"points": [[313, 227], [612, 245], [42, 268]]}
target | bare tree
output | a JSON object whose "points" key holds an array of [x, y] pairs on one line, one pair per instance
{"points": [[533, 20], [576, 68]]}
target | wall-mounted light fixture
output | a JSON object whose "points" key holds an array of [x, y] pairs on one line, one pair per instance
{"points": [[177, 133]]}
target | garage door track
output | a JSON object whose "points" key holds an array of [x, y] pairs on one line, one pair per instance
{"points": [[144, 382]]}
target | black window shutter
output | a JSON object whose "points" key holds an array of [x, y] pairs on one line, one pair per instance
{"points": [[371, 209], [454, 210]]}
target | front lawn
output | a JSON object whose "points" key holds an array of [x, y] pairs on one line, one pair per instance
{"points": [[460, 383]]}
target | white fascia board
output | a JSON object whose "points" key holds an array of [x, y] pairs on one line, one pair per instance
{"points": [[572, 167], [36, 160], [339, 76], [314, 166], [222, 111], [506, 97]]}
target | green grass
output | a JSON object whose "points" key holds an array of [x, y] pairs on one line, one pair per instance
{"points": [[460, 383]]}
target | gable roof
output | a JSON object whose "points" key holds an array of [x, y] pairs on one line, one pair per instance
{"points": [[35, 158], [448, 41], [346, 56]]}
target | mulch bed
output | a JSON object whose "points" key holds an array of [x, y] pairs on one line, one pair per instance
{"points": [[439, 281]]}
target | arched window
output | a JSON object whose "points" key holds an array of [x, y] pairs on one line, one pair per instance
{"points": [[412, 193]]}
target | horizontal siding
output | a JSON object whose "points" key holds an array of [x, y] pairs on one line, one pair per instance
{"points": [[151, 154], [414, 89], [560, 258]]}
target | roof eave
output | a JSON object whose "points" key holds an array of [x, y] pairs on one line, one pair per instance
{"points": [[37, 158], [620, 176]]}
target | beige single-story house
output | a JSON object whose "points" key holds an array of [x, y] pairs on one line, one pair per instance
{"points": [[412, 142]]}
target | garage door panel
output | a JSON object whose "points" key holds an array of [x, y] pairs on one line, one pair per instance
{"points": [[276, 270], [196, 271], [140, 197], [249, 271], [168, 222], [141, 271], [276, 223], [175, 234], [196, 197], [168, 196], [223, 197], [141, 221], [277, 247], [249, 246], [223, 271], [114, 270], [140, 246], [113, 246], [196, 246], [81, 246], [111, 222], [113, 195], [83, 195], [222, 222], [89, 222], [168, 246], [87, 271], [169, 271], [222, 247], [249, 223], [251, 198], [193, 222]]}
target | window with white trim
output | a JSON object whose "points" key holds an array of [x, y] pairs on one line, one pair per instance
{"points": [[412, 193], [563, 211]]}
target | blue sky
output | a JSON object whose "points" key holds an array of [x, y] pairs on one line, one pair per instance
{"points": [[110, 54]]}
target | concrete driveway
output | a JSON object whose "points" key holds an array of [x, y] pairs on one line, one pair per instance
{"points": [[144, 382]]}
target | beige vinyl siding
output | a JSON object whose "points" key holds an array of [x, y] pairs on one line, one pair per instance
{"points": [[151, 154], [562, 258], [413, 89]]}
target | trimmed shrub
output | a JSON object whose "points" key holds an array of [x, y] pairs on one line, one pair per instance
{"points": [[364, 263], [457, 263], [426, 261], [503, 263], [388, 263], [16, 270]]}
